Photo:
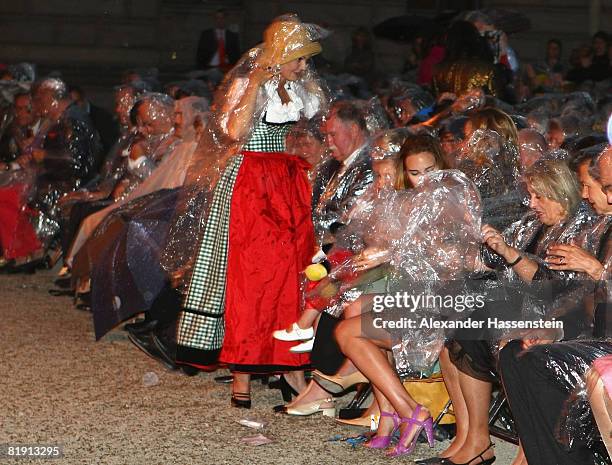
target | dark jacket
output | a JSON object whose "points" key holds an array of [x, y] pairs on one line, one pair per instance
{"points": [[207, 47]]}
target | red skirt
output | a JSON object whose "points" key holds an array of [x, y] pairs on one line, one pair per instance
{"points": [[17, 236], [271, 241]]}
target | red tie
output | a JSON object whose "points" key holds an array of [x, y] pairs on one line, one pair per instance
{"points": [[221, 51]]}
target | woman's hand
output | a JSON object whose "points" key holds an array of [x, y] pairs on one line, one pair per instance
{"points": [[563, 257], [263, 70], [120, 189], [537, 337], [137, 151], [370, 258], [493, 239]]}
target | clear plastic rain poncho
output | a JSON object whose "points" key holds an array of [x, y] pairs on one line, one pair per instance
{"points": [[551, 294], [335, 191], [569, 368], [157, 138], [492, 164], [568, 363], [248, 97], [306, 140], [436, 250], [124, 250], [171, 170]]}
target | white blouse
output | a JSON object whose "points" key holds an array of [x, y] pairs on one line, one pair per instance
{"points": [[302, 103]]}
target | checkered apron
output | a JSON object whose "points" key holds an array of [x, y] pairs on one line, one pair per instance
{"points": [[201, 325]]}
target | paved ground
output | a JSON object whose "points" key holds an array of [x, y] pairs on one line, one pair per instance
{"points": [[59, 386]]}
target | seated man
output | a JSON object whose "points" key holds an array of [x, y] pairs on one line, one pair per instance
{"points": [[341, 181]]}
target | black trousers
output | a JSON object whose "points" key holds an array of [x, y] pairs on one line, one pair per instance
{"points": [[326, 355], [78, 213], [537, 402]]}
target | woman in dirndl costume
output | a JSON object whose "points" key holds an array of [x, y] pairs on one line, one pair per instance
{"points": [[257, 233]]}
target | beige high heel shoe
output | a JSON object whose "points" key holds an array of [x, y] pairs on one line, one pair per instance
{"points": [[337, 384], [313, 407]]}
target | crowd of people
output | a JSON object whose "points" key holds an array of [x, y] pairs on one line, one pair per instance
{"points": [[260, 223]]}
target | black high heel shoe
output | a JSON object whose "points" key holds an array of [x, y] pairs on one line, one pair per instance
{"points": [[442, 461], [241, 399], [285, 388]]}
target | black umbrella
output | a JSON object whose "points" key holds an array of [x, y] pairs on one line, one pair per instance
{"points": [[405, 28], [126, 276]]}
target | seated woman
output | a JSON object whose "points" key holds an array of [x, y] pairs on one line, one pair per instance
{"points": [[490, 158], [418, 155], [439, 243], [467, 64], [540, 375], [469, 366]]}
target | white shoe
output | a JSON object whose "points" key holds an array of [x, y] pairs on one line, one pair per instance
{"points": [[302, 348], [296, 334]]}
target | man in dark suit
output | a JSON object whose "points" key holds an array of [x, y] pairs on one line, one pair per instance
{"points": [[218, 47], [103, 121]]}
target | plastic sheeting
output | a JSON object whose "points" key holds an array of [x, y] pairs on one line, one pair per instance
{"points": [[438, 247]]}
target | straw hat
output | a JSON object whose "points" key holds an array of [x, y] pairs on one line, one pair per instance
{"points": [[288, 40]]}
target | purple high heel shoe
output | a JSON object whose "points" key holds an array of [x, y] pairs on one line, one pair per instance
{"points": [[427, 425], [382, 442]]}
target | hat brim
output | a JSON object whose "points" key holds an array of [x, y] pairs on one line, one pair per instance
{"points": [[309, 50]]}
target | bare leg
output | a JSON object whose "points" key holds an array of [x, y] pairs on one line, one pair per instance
{"points": [[308, 318], [520, 458], [451, 380], [477, 396], [313, 392], [296, 380], [371, 361], [241, 383], [602, 408], [385, 424]]}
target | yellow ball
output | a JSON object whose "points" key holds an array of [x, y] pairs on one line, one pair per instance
{"points": [[315, 272]]}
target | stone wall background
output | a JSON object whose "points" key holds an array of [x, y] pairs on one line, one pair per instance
{"points": [[92, 41]]}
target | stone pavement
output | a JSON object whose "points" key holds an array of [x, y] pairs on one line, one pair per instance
{"points": [[61, 387]]}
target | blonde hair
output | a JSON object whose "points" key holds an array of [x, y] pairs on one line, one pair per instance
{"points": [[418, 144], [495, 120], [554, 180]]}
